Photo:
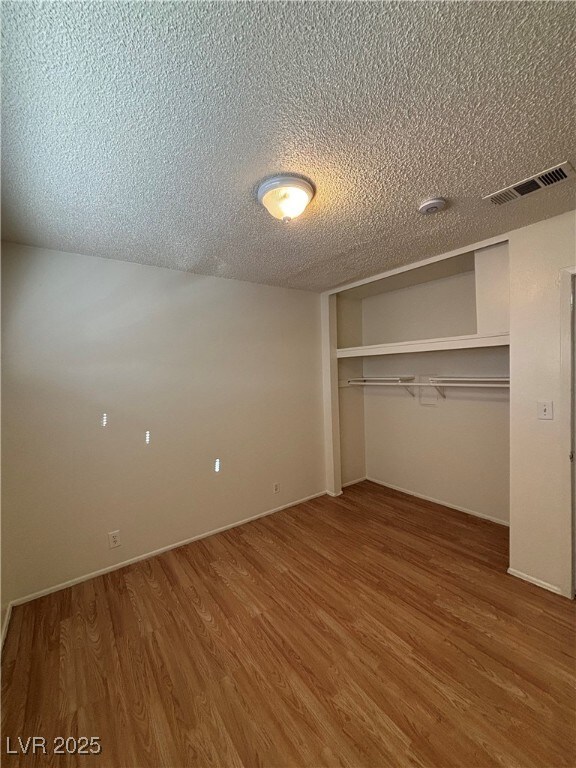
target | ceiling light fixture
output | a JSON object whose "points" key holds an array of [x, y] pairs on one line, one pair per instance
{"points": [[285, 197], [433, 205]]}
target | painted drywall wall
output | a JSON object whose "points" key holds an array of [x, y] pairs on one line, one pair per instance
{"points": [[211, 367], [420, 311], [492, 278], [350, 399], [349, 322], [455, 451], [351, 409], [540, 509]]}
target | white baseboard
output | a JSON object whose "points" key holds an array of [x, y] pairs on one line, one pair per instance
{"points": [[537, 582], [334, 495], [439, 501], [145, 556], [353, 482]]}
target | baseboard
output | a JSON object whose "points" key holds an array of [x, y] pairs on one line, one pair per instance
{"points": [[334, 495], [353, 482], [5, 625], [537, 582], [439, 501], [138, 558]]}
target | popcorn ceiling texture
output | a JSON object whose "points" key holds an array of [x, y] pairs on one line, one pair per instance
{"points": [[140, 131]]}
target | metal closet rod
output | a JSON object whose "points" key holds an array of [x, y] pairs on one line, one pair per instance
{"points": [[383, 379], [438, 382], [500, 381], [470, 379]]}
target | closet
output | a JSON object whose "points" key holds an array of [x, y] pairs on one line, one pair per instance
{"points": [[418, 381]]}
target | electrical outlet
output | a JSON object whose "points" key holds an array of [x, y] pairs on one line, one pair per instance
{"points": [[276, 488], [114, 539]]}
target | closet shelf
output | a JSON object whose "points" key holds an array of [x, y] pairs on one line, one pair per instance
{"points": [[427, 345]]}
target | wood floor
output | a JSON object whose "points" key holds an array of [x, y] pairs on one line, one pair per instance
{"points": [[373, 629]]}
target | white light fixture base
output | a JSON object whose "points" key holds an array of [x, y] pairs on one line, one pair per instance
{"points": [[285, 197]]}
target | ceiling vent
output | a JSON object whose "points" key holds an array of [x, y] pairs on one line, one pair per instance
{"points": [[539, 181]]}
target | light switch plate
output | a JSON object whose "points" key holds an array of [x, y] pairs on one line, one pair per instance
{"points": [[545, 409]]}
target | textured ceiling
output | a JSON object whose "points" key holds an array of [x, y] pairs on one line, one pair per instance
{"points": [[140, 131]]}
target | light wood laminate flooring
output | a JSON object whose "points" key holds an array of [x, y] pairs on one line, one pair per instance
{"points": [[369, 630]]}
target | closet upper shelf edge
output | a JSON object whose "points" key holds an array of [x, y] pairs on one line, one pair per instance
{"points": [[427, 345]]}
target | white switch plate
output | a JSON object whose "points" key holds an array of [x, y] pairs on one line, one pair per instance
{"points": [[545, 409]]}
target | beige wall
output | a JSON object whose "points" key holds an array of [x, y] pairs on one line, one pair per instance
{"points": [[212, 367], [492, 278], [456, 451], [349, 322], [351, 409], [445, 307], [540, 515]]}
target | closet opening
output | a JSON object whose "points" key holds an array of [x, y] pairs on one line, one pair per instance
{"points": [[423, 382]]}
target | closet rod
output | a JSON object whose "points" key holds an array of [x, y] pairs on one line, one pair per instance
{"points": [[477, 382], [494, 384], [384, 381], [364, 383], [476, 386], [470, 379], [437, 382]]}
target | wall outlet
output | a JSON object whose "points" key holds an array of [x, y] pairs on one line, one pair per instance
{"points": [[114, 539], [545, 409], [276, 488]]}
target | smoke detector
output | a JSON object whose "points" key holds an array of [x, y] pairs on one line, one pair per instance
{"points": [[433, 205]]}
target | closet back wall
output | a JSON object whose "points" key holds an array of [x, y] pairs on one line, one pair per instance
{"points": [[456, 451], [430, 310], [213, 368]]}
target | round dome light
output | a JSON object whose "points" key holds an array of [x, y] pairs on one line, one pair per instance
{"points": [[285, 197]]}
